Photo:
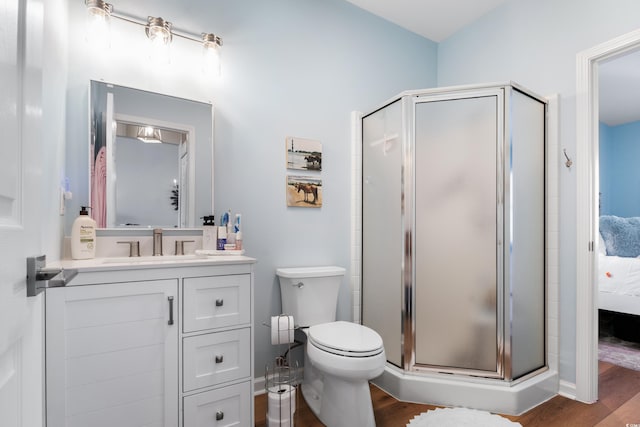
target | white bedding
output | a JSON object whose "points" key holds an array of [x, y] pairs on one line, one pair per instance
{"points": [[619, 284], [619, 275]]}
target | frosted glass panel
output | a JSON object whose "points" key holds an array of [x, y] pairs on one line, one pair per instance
{"points": [[455, 233], [382, 226], [526, 278]]}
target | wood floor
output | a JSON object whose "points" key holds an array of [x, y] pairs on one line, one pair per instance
{"points": [[618, 406]]}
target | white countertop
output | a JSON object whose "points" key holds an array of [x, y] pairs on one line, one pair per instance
{"points": [[128, 263]]}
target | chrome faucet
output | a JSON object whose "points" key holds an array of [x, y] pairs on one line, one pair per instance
{"points": [[157, 241]]}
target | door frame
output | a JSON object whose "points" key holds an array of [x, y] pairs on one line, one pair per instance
{"points": [[587, 177]]}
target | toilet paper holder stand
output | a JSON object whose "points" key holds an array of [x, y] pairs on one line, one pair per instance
{"points": [[281, 381]]}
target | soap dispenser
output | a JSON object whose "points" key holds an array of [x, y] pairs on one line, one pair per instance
{"points": [[83, 236], [209, 233]]}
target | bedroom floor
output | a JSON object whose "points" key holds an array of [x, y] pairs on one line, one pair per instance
{"points": [[619, 339]]}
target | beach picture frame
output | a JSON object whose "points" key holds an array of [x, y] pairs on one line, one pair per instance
{"points": [[304, 191], [303, 154]]}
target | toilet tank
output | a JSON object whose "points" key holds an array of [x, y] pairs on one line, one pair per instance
{"points": [[310, 294]]}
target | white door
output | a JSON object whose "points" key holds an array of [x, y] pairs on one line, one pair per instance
{"points": [[21, 321]]}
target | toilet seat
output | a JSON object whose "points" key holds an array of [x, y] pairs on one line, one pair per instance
{"points": [[346, 339]]}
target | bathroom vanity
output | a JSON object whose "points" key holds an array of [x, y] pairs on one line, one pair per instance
{"points": [[158, 342]]}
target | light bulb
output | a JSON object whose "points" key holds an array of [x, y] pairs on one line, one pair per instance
{"points": [[211, 47], [159, 33], [98, 23]]}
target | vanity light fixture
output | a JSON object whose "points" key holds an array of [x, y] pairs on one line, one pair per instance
{"points": [[159, 34], [158, 30], [98, 22], [149, 135], [99, 10], [211, 45]]}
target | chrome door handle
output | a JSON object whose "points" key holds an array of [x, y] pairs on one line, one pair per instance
{"points": [[40, 278]]}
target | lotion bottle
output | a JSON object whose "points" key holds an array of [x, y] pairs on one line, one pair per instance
{"points": [[83, 236]]}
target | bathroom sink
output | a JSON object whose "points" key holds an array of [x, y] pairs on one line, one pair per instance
{"points": [[151, 259]]}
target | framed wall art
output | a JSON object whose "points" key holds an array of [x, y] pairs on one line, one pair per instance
{"points": [[304, 191], [303, 154]]}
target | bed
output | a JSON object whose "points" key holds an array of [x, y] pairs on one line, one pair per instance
{"points": [[619, 265]]}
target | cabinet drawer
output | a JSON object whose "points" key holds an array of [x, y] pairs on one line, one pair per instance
{"points": [[216, 358], [227, 406], [216, 302]]}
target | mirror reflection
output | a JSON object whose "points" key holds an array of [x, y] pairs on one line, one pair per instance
{"points": [[151, 158]]}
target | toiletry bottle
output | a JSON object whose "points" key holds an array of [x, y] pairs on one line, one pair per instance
{"points": [[222, 232], [83, 236], [229, 224], [231, 235], [209, 233], [238, 232], [222, 238]]}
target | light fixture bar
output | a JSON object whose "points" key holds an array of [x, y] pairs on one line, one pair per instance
{"points": [[106, 8]]}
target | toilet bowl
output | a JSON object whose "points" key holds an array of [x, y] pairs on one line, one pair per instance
{"points": [[340, 357], [345, 398]]}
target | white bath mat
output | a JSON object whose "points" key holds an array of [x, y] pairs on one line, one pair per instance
{"points": [[459, 417]]}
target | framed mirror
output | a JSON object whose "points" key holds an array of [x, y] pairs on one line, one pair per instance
{"points": [[151, 158]]}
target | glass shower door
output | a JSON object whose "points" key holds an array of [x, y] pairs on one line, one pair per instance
{"points": [[457, 230], [382, 197]]}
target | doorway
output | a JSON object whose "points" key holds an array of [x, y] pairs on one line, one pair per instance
{"points": [[587, 203], [619, 209]]}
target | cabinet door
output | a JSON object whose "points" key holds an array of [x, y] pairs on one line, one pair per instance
{"points": [[216, 301], [112, 355]]}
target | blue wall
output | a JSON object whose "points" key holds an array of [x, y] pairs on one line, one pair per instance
{"points": [[620, 170], [535, 43]]}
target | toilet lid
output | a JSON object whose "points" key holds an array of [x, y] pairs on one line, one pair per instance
{"points": [[346, 338]]}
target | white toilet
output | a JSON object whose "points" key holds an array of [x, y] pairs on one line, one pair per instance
{"points": [[340, 357]]}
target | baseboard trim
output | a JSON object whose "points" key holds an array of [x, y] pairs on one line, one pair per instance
{"points": [[567, 390]]}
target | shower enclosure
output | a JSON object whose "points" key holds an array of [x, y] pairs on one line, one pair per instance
{"points": [[453, 231]]}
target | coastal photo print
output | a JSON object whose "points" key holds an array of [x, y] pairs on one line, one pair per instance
{"points": [[304, 192], [303, 154]]}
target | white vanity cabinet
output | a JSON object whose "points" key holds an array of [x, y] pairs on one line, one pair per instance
{"points": [[146, 345]]}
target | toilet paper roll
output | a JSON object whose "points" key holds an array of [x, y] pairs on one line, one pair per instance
{"points": [[282, 330], [271, 422], [281, 404]]}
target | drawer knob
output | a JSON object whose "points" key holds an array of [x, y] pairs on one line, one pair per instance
{"points": [[219, 358], [219, 302], [219, 415]]}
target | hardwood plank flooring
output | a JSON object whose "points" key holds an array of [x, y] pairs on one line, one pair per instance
{"points": [[618, 406]]}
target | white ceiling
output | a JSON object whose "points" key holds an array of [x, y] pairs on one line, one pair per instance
{"points": [[438, 19]]}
